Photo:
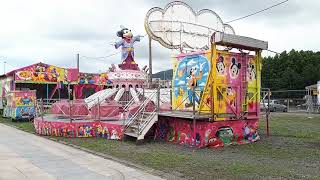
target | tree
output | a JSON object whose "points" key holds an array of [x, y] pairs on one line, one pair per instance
{"points": [[291, 70]]}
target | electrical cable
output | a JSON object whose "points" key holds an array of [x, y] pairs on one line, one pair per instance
{"points": [[272, 51], [103, 58], [257, 12]]}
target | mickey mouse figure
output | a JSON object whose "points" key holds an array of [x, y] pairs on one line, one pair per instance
{"points": [[234, 68], [127, 50]]}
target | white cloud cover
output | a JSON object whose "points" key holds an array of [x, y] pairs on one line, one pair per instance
{"points": [[55, 31]]}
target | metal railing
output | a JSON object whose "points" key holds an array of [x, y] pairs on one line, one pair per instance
{"points": [[145, 122], [139, 111]]}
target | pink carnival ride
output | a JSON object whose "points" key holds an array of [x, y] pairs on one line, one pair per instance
{"points": [[214, 99], [108, 112]]}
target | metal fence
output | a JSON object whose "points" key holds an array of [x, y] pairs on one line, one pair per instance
{"points": [[271, 101], [293, 101]]}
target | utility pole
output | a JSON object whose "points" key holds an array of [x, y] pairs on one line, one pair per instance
{"points": [[150, 62], [78, 62], [4, 67]]}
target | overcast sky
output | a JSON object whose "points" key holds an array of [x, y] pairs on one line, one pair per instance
{"points": [[54, 31]]}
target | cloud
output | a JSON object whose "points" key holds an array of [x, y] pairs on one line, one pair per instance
{"points": [[206, 74], [181, 82], [202, 84], [182, 65], [191, 62]]}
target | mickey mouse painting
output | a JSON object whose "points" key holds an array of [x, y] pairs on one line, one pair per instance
{"points": [[127, 51], [234, 68], [220, 65]]}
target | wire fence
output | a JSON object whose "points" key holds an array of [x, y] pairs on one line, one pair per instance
{"points": [[294, 101]]}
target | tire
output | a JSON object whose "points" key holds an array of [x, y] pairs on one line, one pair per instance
{"points": [[285, 110]]}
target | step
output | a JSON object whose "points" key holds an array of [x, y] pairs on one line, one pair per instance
{"points": [[129, 130], [134, 126], [131, 134]]}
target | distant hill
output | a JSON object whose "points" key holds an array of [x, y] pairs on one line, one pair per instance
{"points": [[163, 75]]}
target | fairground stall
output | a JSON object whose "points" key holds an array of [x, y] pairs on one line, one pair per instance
{"points": [[20, 105], [44, 78], [216, 78], [48, 83]]}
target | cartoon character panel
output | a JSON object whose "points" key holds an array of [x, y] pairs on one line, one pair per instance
{"points": [[24, 98], [42, 73], [253, 79], [225, 86], [90, 78], [217, 134], [79, 129], [24, 112], [234, 85], [20, 105], [190, 75]]}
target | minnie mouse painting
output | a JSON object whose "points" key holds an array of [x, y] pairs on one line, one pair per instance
{"points": [[127, 51], [251, 75]]}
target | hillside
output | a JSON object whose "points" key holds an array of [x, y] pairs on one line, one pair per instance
{"points": [[163, 75]]}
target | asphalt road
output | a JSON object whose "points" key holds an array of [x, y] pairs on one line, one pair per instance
{"points": [[27, 156]]}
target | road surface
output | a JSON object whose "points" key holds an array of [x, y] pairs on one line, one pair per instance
{"points": [[26, 156]]}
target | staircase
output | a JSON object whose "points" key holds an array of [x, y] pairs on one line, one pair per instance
{"points": [[140, 123]]}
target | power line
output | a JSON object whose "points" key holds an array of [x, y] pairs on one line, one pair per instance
{"points": [[103, 58], [257, 12], [272, 51]]}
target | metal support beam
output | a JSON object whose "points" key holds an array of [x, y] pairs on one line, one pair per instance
{"points": [[194, 116]]}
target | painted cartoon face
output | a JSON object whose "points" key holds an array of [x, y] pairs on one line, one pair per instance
{"points": [[234, 69], [251, 72], [229, 91], [106, 131], [225, 134], [220, 65], [127, 33], [193, 70]]}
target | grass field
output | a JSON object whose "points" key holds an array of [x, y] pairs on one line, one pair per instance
{"points": [[292, 152]]}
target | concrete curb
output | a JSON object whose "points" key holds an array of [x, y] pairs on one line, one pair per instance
{"points": [[109, 157]]}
